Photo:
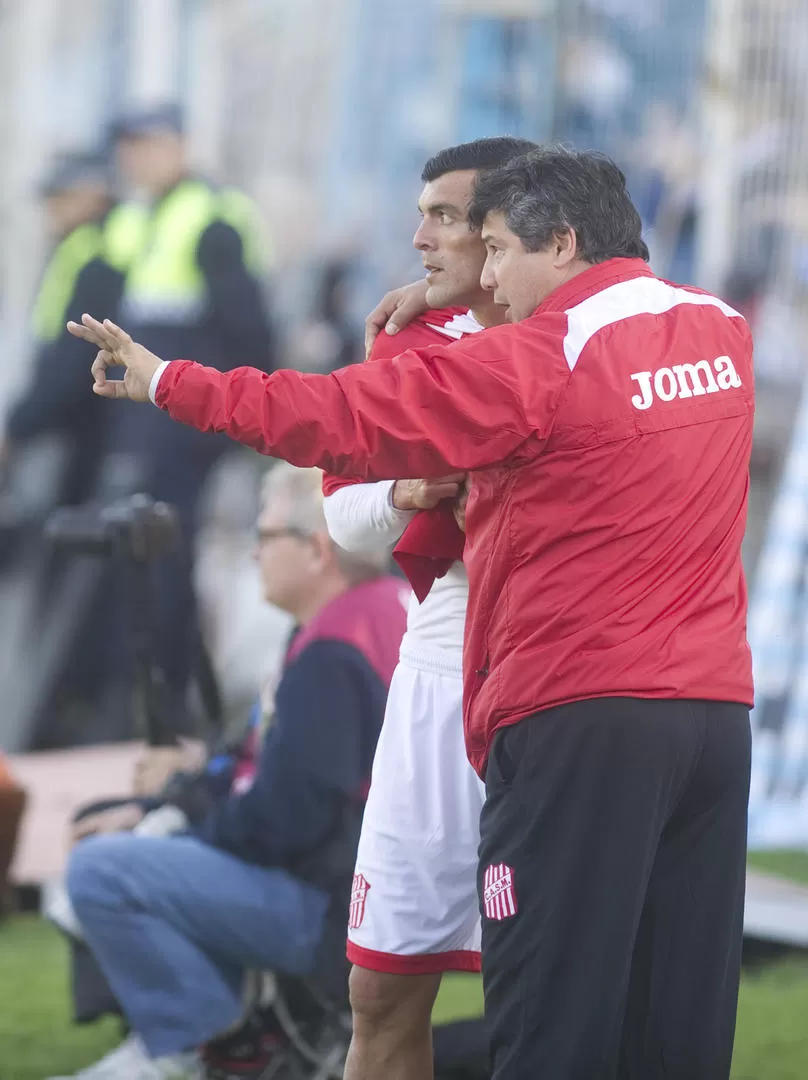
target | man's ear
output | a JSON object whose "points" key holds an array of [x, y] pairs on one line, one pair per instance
{"points": [[565, 248], [323, 547]]}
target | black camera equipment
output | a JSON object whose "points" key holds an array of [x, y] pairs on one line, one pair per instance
{"points": [[132, 531]]}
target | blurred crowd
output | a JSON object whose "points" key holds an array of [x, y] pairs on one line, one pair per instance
{"points": [[137, 237], [632, 80]]}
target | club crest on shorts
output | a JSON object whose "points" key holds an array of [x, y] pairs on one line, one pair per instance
{"points": [[499, 897], [359, 893]]}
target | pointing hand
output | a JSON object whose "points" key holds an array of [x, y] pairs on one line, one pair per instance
{"points": [[117, 350]]}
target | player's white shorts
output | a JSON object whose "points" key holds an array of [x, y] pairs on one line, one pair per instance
{"points": [[414, 906]]}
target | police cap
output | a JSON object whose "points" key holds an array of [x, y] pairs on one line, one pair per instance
{"points": [[75, 170], [147, 120]]}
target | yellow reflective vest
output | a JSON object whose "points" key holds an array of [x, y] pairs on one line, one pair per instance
{"points": [[164, 284], [58, 284], [116, 239]]}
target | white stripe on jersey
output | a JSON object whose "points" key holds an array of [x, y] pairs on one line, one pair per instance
{"points": [[458, 326]]}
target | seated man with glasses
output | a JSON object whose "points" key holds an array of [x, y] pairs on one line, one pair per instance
{"points": [[265, 882]]}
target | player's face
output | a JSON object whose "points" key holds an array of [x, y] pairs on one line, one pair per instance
{"points": [[521, 279], [452, 253]]}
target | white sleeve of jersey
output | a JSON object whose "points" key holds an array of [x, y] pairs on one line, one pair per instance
{"points": [[362, 518]]}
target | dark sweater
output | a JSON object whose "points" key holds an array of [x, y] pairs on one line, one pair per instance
{"points": [[304, 808]]}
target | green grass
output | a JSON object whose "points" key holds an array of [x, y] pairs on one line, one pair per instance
{"points": [[788, 864], [772, 1034], [37, 1039], [460, 998]]}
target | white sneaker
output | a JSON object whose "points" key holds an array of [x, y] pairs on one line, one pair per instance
{"points": [[130, 1061]]}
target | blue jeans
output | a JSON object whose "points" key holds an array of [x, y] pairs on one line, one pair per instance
{"points": [[174, 924]]}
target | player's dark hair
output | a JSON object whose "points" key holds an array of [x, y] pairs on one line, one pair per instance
{"points": [[482, 154], [553, 189]]}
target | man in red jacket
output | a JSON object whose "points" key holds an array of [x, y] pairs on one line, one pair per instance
{"points": [[607, 674]]}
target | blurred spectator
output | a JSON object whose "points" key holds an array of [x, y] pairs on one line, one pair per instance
{"points": [[193, 289], [264, 881], [180, 778], [92, 241], [663, 167], [744, 289], [596, 83], [329, 340], [156, 770], [83, 269]]}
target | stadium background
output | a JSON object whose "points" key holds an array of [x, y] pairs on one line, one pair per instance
{"points": [[324, 112]]}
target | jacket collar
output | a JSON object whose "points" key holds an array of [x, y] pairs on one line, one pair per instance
{"points": [[591, 281]]}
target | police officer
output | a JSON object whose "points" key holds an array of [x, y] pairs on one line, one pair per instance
{"points": [[92, 240], [90, 243], [192, 289]]}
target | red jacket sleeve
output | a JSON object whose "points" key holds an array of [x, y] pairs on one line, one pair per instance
{"points": [[424, 413], [420, 333]]}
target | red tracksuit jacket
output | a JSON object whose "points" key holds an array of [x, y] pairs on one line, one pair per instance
{"points": [[608, 436]]}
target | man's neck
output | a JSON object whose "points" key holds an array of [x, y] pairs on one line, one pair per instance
{"points": [[160, 193], [314, 604], [487, 313]]}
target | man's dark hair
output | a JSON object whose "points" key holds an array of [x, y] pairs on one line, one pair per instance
{"points": [[553, 189], [482, 154]]}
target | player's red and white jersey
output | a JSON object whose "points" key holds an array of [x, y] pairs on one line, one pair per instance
{"points": [[431, 328], [435, 627]]}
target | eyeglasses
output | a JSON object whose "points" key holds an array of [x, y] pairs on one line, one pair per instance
{"points": [[266, 536]]}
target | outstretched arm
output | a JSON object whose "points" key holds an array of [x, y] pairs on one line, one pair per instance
{"points": [[427, 413]]}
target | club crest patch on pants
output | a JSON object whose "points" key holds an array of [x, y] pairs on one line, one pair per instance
{"points": [[359, 893], [499, 896]]}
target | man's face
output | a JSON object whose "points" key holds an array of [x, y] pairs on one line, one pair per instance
{"points": [[287, 560], [519, 279], [452, 253], [151, 162]]}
